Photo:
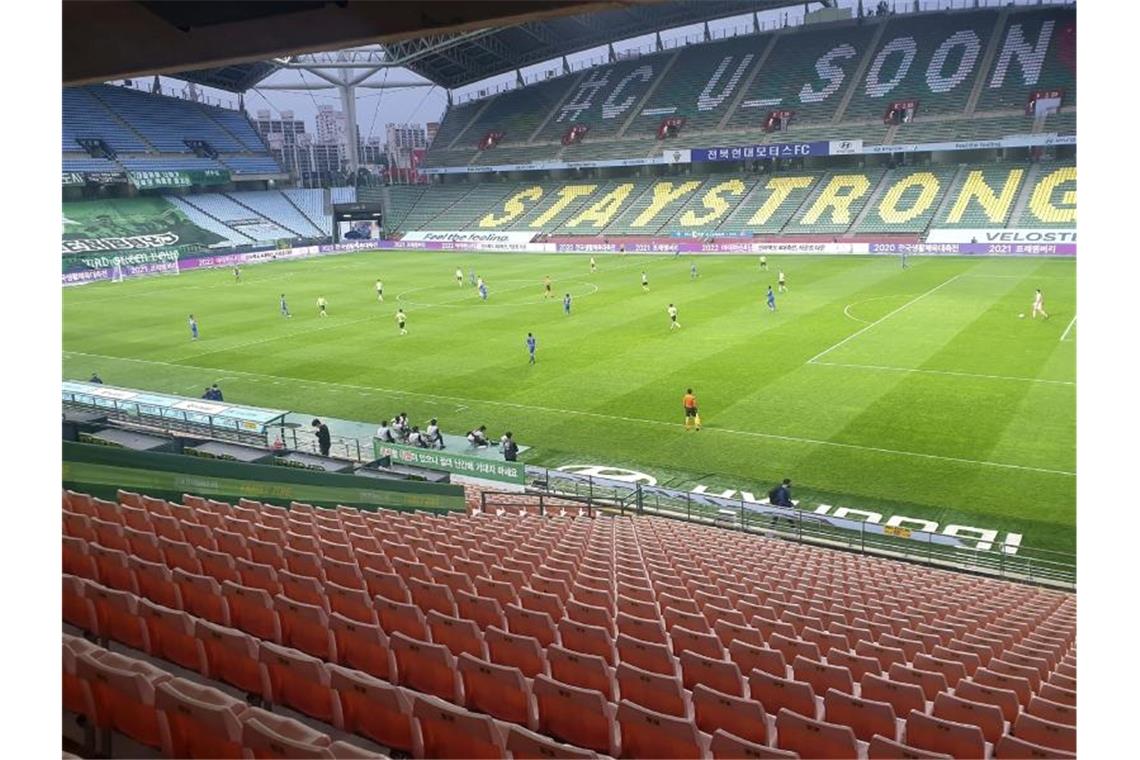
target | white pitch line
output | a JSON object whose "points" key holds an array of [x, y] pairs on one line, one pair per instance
{"points": [[272, 338], [596, 415], [1070, 327], [849, 315], [883, 318], [950, 373]]}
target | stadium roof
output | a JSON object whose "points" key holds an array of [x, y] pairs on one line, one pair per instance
{"points": [[235, 45]]}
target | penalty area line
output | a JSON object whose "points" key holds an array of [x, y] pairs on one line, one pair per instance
{"points": [[593, 415], [1072, 322], [949, 373]]}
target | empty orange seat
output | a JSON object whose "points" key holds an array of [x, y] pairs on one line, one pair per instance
{"points": [[528, 745], [398, 617], [721, 675], [355, 603], [749, 657], [1046, 733], [729, 632], [794, 647], [114, 568], [659, 692], [1010, 746], [684, 639], [579, 716], [484, 610], [986, 717], [229, 542], [431, 596], [252, 610], [1018, 685], [77, 560], [1004, 699], [143, 544], [824, 640], [294, 679], [425, 667], [372, 708], [218, 565], [692, 621], [904, 697], [814, 738], [823, 676], [499, 690], [969, 661], [857, 664], [1029, 672], [447, 731], [198, 721], [586, 638], [641, 628], [267, 735], [202, 596], [171, 634], [117, 613], [584, 670], [774, 693], [457, 634], [713, 710], [1057, 712], [303, 588], [931, 682], [886, 656], [654, 657], [522, 652], [74, 690], [938, 735], [122, 694], [257, 575], [646, 733], [732, 747], [590, 614], [526, 622], [865, 717], [230, 655], [305, 627], [880, 747]]}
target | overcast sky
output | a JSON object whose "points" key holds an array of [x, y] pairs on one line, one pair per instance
{"points": [[375, 108]]}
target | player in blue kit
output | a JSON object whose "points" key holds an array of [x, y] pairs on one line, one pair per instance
{"points": [[531, 343], [284, 307], [193, 328], [482, 290], [566, 304], [771, 299], [693, 271]]}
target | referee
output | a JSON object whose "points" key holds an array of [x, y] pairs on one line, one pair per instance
{"points": [[692, 417]]}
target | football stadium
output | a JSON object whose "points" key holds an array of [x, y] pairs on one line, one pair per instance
{"points": [[692, 379]]}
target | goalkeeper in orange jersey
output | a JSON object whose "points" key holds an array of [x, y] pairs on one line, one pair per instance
{"points": [[692, 416]]}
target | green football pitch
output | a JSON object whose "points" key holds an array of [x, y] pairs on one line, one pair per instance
{"points": [[918, 392]]}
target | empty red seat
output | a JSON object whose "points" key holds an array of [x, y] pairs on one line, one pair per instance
{"points": [[1045, 733], [526, 622], [77, 560], [484, 610], [372, 708], [257, 575], [586, 638], [457, 634], [749, 657], [931, 682], [498, 690], [1003, 699], [114, 568], [524, 744], [431, 596], [522, 652], [584, 670], [305, 627], [1018, 685], [814, 738], [744, 718], [903, 697], [267, 735], [732, 747], [352, 602], [721, 675], [303, 588], [398, 617], [823, 676], [646, 733], [865, 717], [201, 596], [171, 634], [774, 692], [1010, 746], [121, 693], [230, 655], [117, 614], [579, 716], [446, 731], [641, 628], [197, 720], [887, 749], [294, 679], [425, 667], [706, 644], [938, 735], [74, 690]]}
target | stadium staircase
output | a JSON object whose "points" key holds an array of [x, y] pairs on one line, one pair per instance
{"points": [[208, 221], [852, 86], [271, 205], [676, 86], [122, 124], [211, 629], [313, 205]]}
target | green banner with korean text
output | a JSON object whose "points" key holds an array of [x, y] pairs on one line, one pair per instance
{"points": [[158, 179], [457, 464]]}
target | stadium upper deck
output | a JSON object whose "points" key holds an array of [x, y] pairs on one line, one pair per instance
{"points": [[971, 73]]}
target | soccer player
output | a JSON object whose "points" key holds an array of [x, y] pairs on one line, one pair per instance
{"points": [[764, 263], [237, 274], [285, 308], [193, 328], [546, 287], [904, 258], [380, 291], [771, 299], [693, 271], [321, 304], [459, 276], [482, 289], [401, 321], [471, 276], [593, 265], [692, 416], [782, 282], [531, 343], [645, 282], [673, 323], [1039, 305], [566, 304]]}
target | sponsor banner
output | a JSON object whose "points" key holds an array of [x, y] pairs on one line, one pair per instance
{"points": [[665, 245], [1022, 235], [1011, 141], [474, 468], [71, 179], [494, 238], [128, 225], [543, 166], [678, 156], [750, 152], [153, 179], [985, 249], [845, 147]]}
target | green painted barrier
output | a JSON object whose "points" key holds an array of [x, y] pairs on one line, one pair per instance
{"points": [[101, 470]]}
